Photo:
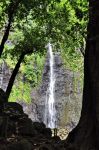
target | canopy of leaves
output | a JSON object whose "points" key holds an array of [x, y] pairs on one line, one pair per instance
{"points": [[35, 23]]}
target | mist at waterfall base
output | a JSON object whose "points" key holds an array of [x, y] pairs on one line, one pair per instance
{"points": [[50, 111]]}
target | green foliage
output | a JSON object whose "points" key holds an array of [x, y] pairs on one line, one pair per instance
{"points": [[29, 77], [35, 23], [32, 69], [21, 92]]}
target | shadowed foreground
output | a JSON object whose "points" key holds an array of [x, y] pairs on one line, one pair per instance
{"points": [[18, 132]]}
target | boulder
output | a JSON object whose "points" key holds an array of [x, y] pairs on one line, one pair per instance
{"points": [[25, 127], [47, 132], [46, 147], [11, 108], [41, 129], [21, 145], [39, 126]]}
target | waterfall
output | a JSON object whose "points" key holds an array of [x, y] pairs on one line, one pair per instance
{"points": [[50, 111]]}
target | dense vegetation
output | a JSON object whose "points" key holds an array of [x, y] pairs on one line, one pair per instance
{"points": [[26, 28]]}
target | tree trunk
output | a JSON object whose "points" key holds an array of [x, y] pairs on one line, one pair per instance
{"points": [[85, 135], [5, 37], [12, 9], [12, 79]]}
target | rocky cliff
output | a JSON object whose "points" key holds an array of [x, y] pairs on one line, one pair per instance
{"points": [[68, 94], [5, 74]]}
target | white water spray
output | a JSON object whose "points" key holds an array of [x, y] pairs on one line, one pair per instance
{"points": [[50, 111]]}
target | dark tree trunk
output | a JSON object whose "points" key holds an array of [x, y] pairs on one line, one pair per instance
{"points": [[86, 134], [13, 76], [5, 37], [12, 9]]}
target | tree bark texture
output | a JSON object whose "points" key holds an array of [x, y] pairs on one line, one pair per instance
{"points": [[85, 136]]}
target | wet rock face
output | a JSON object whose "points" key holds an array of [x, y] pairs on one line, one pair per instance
{"points": [[5, 74], [68, 96]]}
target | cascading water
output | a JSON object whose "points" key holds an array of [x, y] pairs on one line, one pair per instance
{"points": [[50, 111]]}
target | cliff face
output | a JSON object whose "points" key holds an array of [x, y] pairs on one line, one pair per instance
{"points": [[5, 74], [68, 93]]}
